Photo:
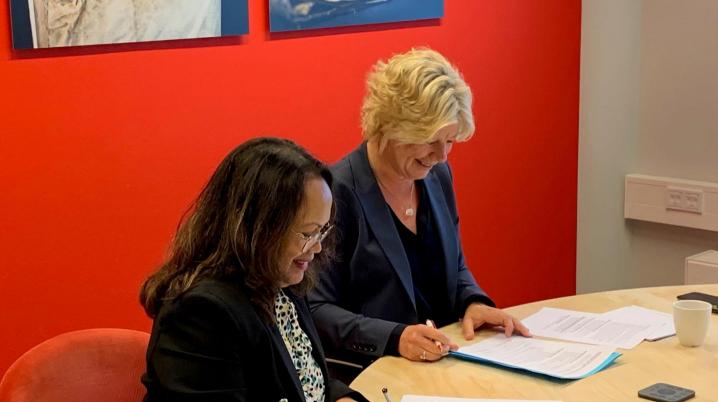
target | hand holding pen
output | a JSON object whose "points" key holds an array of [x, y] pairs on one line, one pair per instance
{"points": [[438, 344], [424, 343]]}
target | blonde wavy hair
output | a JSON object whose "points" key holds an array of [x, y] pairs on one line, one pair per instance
{"points": [[413, 95]]}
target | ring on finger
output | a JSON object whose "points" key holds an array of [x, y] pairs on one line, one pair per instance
{"points": [[423, 355]]}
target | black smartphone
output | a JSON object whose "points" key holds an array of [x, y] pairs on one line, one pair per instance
{"points": [[663, 392], [713, 300]]}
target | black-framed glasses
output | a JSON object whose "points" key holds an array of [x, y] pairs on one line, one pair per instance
{"points": [[310, 240]]}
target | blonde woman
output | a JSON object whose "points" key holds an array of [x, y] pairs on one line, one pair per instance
{"points": [[400, 256]]}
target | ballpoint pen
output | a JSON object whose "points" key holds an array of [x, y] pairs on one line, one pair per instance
{"points": [[430, 324], [386, 394]]}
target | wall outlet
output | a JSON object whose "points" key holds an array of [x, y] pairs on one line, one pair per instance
{"points": [[684, 199], [672, 201], [693, 200]]}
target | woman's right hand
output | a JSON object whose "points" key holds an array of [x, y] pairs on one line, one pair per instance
{"points": [[418, 343]]}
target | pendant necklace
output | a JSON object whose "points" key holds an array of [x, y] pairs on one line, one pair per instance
{"points": [[409, 211]]}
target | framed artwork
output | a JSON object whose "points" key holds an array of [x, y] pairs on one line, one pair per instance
{"points": [[58, 23], [292, 15]]}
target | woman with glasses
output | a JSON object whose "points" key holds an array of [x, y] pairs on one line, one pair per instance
{"points": [[400, 260], [230, 320]]}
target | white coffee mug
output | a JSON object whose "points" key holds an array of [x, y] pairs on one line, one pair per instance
{"points": [[691, 318]]}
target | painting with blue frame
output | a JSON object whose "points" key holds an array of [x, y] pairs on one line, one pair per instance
{"points": [[58, 23], [292, 15]]}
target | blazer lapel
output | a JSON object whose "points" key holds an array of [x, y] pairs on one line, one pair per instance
{"points": [[445, 228], [286, 359], [379, 218]]}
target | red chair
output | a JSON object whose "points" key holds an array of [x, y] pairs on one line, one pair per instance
{"points": [[103, 364]]}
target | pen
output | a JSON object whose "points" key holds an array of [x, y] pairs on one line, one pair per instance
{"points": [[430, 324], [386, 394]]}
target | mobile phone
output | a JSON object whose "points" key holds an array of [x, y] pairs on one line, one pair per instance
{"points": [[713, 300], [663, 392]]}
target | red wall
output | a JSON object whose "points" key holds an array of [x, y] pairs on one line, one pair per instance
{"points": [[103, 148]]}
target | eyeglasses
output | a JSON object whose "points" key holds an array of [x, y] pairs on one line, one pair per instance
{"points": [[311, 240]]}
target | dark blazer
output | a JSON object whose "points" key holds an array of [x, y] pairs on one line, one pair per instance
{"points": [[211, 345], [360, 300]]}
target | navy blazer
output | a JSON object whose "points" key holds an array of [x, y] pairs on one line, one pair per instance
{"points": [[211, 345], [359, 300]]}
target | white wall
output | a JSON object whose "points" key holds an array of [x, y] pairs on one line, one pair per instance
{"points": [[649, 104], [678, 133]]}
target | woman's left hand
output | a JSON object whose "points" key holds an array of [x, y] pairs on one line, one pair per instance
{"points": [[478, 314]]}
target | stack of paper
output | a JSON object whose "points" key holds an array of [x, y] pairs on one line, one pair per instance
{"points": [[556, 359], [661, 323], [597, 336], [623, 328]]}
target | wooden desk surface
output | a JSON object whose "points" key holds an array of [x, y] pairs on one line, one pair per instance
{"points": [[648, 363]]}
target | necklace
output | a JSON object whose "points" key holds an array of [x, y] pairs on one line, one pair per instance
{"points": [[409, 211], [371, 153]]}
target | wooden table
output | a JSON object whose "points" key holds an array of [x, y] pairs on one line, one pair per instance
{"points": [[648, 363]]}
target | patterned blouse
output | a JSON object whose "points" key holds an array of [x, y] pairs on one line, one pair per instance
{"points": [[300, 348]]}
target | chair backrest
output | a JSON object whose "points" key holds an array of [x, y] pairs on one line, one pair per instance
{"points": [[103, 364]]}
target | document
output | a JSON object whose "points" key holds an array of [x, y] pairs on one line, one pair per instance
{"points": [[553, 358], [661, 323], [595, 329], [417, 398]]}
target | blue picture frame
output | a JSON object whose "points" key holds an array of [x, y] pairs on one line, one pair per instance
{"points": [[31, 28], [293, 15]]}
